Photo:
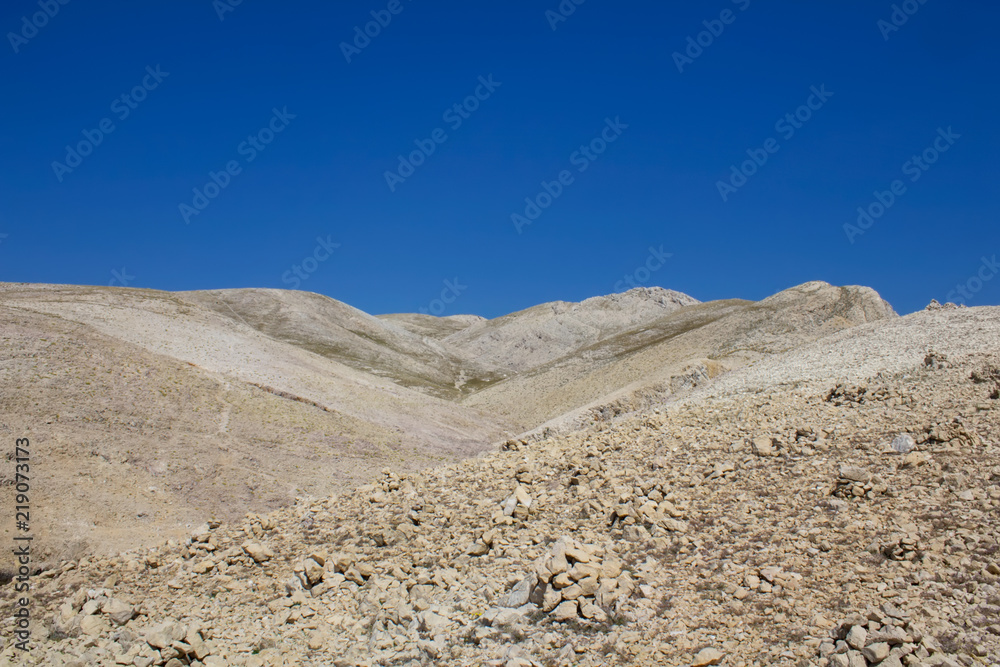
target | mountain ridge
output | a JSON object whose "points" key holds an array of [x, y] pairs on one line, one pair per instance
{"points": [[294, 393]]}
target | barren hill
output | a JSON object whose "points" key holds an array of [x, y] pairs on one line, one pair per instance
{"points": [[679, 350], [833, 503], [160, 410], [431, 326], [349, 336], [532, 337], [152, 412]]}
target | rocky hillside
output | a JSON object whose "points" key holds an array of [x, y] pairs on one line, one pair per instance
{"points": [[163, 410], [158, 414], [336, 331], [783, 515], [689, 346], [529, 338]]}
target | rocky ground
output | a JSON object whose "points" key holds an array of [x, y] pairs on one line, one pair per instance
{"points": [[846, 524], [153, 412]]}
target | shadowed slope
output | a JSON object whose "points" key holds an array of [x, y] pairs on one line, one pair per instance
{"points": [[683, 348]]}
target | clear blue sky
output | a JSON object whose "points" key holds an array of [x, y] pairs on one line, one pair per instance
{"points": [[392, 246]]}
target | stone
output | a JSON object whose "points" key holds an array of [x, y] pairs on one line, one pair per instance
{"points": [[572, 592], [856, 637], [505, 616], [588, 586], [518, 596], [556, 565], [204, 566], [894, 611], [876, 652], [891, 635], [565, 611], [674, 526], [855, 474], [162, 635], [583, 570], [257, 551], [915, 459], [856, 659], [521, 494], [611, 568], [903, 443], [635, 533], [433, 622], [707, 656], [551, 599], [763, 446], [119, 612], [93, 626], [313, 571], [562, 580], [593, 612], [199, 649], [478, 548], [577, 555], [839, 660]]}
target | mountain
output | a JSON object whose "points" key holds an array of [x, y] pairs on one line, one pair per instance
{"points": [[162, 410], [679, 350], [826, 494], [543, 333]]}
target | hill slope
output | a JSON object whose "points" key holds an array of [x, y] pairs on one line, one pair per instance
{"points": [[344, 334], [529, 338], [680, 349], [147, 398], [766, 523], [162, 409]]}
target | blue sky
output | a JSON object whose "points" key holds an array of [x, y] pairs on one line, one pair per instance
{"points": [[641, 138]]}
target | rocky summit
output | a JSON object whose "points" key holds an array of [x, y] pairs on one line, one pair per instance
{"points": [[823, 495]]}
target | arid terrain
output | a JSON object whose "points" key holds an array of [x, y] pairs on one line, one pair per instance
{"points": [[262, 477], [155, 411]]}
